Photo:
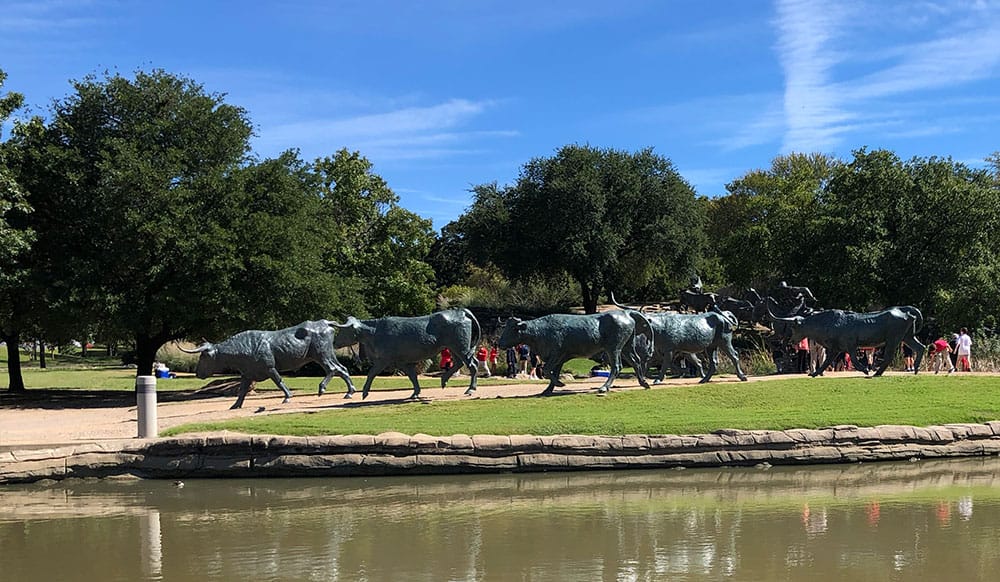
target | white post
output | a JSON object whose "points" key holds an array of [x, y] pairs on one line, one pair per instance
{"points": [[145, 394]]}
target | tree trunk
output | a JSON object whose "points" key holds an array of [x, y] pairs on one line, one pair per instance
{"points": [[41, 355], [145, 350], [589, 297], [145, 354], [13, 341], [83, 349]]}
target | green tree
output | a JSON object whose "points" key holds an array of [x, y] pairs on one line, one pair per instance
{"points": [[372, 240], [608, 218], [867, 233], [136, 185], [282, 232], [761, 231], [947, 237], [15, 241]]}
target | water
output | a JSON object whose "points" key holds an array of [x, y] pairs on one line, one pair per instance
{"points": [[930, 520]]}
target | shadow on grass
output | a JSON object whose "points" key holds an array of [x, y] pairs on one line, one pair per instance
{"points": [[76, 398], [60, 399]]}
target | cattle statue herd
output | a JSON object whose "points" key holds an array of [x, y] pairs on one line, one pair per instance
{"points": [[620, 336]]}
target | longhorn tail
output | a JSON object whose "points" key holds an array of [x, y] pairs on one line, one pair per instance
{"points": [[476, 328], [643, 326]]}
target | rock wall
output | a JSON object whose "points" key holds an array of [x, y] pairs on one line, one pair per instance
{"points": [[232, 455]]}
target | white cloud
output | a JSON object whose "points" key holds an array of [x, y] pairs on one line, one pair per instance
{"points": [[813, 111], [842, 67], [402, 134]]}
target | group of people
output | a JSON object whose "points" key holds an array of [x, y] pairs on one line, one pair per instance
{"points": [[955, 355], [520, 360], [952, 356]]}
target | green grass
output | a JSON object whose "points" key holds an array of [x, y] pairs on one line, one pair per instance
{"points": [[80, 378], [779, 404]]}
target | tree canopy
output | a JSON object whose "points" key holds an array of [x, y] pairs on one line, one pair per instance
{"points": [[608, 218], [156, 224], [867, 233], [13, 240]]}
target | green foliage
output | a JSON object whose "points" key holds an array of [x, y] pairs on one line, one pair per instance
{"points": [[777, 404], [134, 182], [761, 231], [604, 217], [13, 240], [868, 233], [486, 287], [372, 239]]}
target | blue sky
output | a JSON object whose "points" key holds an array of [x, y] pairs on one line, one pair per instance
{"points": [[442, 95]]}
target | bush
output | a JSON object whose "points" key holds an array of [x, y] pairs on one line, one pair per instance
{"points": [[175, 359]]}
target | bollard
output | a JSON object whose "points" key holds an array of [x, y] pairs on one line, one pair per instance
{"points": [[145, 394]]}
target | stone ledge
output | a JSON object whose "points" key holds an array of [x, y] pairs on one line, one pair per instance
{"points": [[230, 455]]}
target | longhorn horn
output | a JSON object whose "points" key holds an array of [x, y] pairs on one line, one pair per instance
{"points": [[203, 347], [767, 305]]}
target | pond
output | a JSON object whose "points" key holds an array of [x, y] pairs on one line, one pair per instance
{"points": [[926, 520]]}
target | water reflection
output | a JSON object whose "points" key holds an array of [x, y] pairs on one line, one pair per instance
{"points": [[906, 521]]}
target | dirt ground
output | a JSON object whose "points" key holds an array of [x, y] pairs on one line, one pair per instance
{"points": [[51, 418]]}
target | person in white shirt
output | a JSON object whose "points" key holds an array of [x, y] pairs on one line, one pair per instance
{"points": [[963, 349]]}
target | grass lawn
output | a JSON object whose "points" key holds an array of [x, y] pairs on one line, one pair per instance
{"points": [[80, 378], [798, 402]]}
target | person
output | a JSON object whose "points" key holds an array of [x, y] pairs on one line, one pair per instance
{"points": [[540, 369], [952, 346], [842, 362], [523, 351], [963, 351], [493, 357], [446, 361], [868, 358], [907, 357], [817, 355], [512, 362], [537, 371], [482, 358], [940, 355], [802, 355]]}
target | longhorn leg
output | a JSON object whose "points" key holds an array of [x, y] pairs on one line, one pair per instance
{"points": [[831, 355], [616, 368], [468, 358], [666, 359], [244, 388], [411, 373], [335, 368], [632, 359], [735, 358], [695, 364], [713, 365], [276, 378], [375, 370], [553, 367], [450, 371], [860, 364], [919, 349], [889, 354]]}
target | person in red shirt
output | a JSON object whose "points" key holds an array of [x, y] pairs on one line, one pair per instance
{"points": [[939, 352], [482, 357], [446, 362]]}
